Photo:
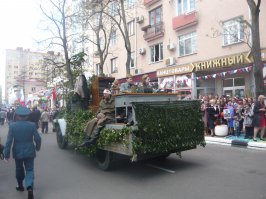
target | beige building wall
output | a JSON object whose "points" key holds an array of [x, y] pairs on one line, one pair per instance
{"points": [[209, 40]]}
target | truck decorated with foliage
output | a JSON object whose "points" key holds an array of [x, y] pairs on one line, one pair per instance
{"points": [[161, 125]]}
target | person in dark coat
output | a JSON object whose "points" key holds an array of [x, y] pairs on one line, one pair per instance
{"points": [[25, 139], [259, 122], [213, 113], [81, 88], [35, 116]]}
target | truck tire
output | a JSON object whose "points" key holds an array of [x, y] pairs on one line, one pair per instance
{"points": [[61, 140], [104, 159]]}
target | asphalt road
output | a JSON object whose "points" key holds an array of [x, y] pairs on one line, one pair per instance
{"points": [[213, 172]]}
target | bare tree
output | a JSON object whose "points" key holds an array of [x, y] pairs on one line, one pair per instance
{"points": [[115, 10], [256, 49], [121, 12], [101, 27], [60, 15]]}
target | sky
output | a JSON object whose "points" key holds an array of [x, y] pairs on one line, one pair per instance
{"points": [[19, 22]]}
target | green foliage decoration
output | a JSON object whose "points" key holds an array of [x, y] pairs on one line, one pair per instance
{"points": [[165, 127], [113, 136], [76, 123]]}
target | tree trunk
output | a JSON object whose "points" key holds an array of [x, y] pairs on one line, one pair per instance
{"points": [[256, 49], [127, 41]]}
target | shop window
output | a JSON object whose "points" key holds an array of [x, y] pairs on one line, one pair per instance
{"points": [[228, 82], [156, 53], [185, 6], [187, 44], [233, 31], [233, 82], [239, 81]]}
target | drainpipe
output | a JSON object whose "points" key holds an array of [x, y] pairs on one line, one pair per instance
{"points": [[135, 55]]}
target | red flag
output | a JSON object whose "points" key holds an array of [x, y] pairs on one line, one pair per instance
{"points": [[54, 94]]}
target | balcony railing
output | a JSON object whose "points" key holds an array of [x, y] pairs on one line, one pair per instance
{"points": [[153, 31], [150, 2], [185, 20]]}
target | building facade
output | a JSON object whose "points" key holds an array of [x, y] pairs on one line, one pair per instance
{"points": [[24, 75], [189, 46]]}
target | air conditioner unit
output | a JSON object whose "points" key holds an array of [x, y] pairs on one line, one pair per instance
{"points": [[171, 46], [142, 51], [137, 71], [170, 61], [140, 19]]}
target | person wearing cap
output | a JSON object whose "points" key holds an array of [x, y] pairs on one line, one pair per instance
{"points": [[127, 86], [259, 121], [24, 137], [104, 115], [145, 87]]}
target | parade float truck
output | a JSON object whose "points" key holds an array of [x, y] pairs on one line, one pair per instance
{"points": [[161, 124]]}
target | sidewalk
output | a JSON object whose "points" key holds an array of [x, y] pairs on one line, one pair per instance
{"points": [[237, 141]]}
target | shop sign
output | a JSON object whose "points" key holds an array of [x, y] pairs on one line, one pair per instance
{"points": [[222, 62], [175, 70]]}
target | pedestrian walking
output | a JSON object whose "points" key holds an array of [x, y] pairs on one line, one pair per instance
{"points": [[44, 121], [2, 116], [25, 139], [35, 116]]}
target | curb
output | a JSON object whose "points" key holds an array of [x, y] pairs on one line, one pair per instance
{"points": [[236, 143]]}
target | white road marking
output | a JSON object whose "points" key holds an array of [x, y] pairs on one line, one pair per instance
{"points": [[160, 168]]}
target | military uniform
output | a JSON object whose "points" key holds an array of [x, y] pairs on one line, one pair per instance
{"points": [[105, 114], [21, 135]]}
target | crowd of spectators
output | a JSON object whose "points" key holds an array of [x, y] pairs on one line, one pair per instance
{"points": [[241, 115]]}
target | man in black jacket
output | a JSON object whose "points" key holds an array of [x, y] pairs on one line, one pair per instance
{"points": [[35, 116]]}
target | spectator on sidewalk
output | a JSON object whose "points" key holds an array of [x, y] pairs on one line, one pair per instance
{"points": [[259, 118], [44, 121], [213, 113], [22, 135]]}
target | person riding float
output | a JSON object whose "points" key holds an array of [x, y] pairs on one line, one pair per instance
{"points": [[104, 115]]}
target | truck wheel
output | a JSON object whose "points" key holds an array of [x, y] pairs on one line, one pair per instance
{"points": [[104, 159], [61, 140]]}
